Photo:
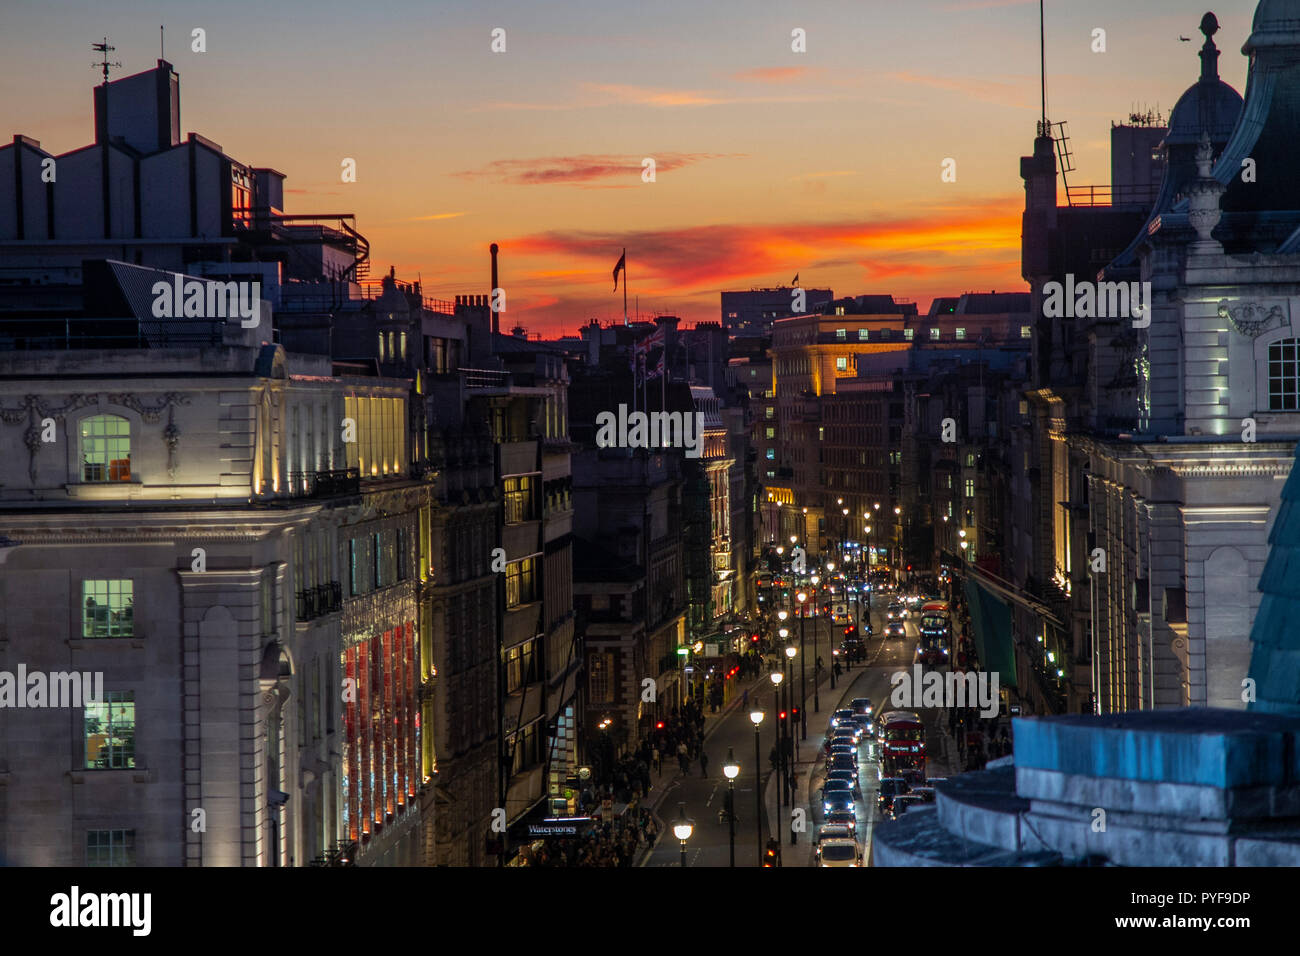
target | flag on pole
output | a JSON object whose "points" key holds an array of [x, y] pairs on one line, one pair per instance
{"points": [[795, 280], [621, 267]]}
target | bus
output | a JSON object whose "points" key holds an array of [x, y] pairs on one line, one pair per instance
{"points": [[901, 743], [935, 627]]}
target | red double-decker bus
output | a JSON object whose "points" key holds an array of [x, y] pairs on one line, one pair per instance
{"points": [[901, 742]]}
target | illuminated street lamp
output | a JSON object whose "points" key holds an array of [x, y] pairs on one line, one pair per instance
{"points": [[731, 770], [756, 716], [682, 829], [777, 677]]}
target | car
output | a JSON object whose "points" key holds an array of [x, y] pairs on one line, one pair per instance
{"points": [[897, 611], [895, 629], [839, 853], [843, 818], [839, 800], [853, 650], [890, 789], [863, 723], [836, 831], [839, 715], [840, 750], [846, 775], [849, 727], [832, 787], [861, 706], [843, 762], [926, 794]]}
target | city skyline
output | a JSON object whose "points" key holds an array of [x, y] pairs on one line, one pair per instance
{"points": [[765, 166]]}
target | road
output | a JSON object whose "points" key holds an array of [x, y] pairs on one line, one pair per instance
{"points": [[705, 796]]}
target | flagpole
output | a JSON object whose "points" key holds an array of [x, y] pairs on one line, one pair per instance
{"points": [[625, 322]]}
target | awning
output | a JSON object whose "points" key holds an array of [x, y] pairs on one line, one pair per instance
{"points": [[991, 621]]}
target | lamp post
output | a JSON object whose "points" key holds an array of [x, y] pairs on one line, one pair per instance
{"points": [[866, 547], [844, 540], [682, 829], [781, 615], [777, 677], [835, 653], [731, 770], [756, 716], [790, 653], [817, 701], [803, 630]]}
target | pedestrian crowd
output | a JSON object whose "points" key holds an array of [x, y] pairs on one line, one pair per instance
{"points": [[609, 843]]}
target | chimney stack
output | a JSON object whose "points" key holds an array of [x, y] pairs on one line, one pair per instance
{"points": [[496, 319]]}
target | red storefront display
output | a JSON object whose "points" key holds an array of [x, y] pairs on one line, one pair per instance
{"points": [[381, 730]]}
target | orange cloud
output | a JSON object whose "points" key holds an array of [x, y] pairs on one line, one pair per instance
{"points": [[578, 170]]}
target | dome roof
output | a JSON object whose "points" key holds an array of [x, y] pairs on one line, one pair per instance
{"points": [[1209, 105], [1276, 23]]}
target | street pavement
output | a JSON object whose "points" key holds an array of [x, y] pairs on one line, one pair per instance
{"points": [[705, 796]]}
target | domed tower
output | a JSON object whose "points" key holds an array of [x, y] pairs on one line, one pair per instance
{"points": [[1270, 117]]}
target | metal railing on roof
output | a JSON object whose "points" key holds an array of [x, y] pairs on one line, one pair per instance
{"points": [[101, 333], [1088, 196]]}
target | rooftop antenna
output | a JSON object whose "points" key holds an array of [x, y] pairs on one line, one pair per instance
{"points": [[162, 49], [1042, 50], [105, 49]]}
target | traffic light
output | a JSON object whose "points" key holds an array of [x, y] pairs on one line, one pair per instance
{"points": [[772, 856], [659, 725], [794, 713], [783, 715]]}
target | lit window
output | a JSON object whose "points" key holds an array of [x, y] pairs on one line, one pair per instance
{"points": [[839, 310], [1026, 332], [841, 334], [934, 335], [402, 344], [381, 347], [961, 334], [970, 487], [105, 448], [842, 364], [519, 499], [110, 731], [863, 334], [521, 582], [970, 459], [769, 412], [771, 454], [110, 848], [1284, 376], [909, 334], [107, 609], [770, 432]]}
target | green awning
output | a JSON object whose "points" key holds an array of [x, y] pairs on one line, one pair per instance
{"points": [[990, 618]]}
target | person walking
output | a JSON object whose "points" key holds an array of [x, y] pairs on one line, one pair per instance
{"points": [[704, 763]]}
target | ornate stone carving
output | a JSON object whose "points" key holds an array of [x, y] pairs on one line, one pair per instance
{"points": [[1250, 319], [149, 415], [32, 410], [1203, 197]]}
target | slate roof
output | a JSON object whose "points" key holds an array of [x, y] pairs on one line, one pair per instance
{"points": [[1275, 660]]}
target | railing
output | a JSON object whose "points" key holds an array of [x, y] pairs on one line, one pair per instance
{"points": [[485, 378], [98, 333], [322, 599], [325, 484], [1111, 195]]}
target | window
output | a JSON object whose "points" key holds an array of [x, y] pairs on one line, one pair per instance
{"points": [[970, 459], [1026, 332], [909, 334], [107, 609], [403, 556], [771, 474], [381, 347], [864, 335], [841, 334], [821, 433], [771, 454], [839, 310], [110, 731], [1284, 376], [769, 412], [961, 334], [521, 582], [401, 340], [519, 499], [934, 335], [354, 579], [105, 448], [842, 364], [770, 432], [521, 666], [110, 848], [970, 487]]}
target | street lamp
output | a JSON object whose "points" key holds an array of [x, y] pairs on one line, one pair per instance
{"points": [[777, 677], [730, 770], [683, 828], [790, 653], [756, 716], [803, 693]]}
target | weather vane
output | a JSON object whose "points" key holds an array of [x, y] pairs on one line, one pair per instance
{"points": [[105, 49]]}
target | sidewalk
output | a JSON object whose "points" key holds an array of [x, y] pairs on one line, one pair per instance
{"points": [[662, 783]]}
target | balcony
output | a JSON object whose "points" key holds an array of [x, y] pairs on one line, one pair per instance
{"points": [[320, 600], [325, 484]]}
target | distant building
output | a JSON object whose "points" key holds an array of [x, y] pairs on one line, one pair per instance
{"points": [[755, 311]]}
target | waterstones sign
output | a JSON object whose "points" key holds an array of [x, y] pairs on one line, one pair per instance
{"points": [[1098, 300], [651, 430]]}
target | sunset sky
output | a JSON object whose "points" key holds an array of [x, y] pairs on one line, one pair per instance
{"points": [[769, 162]]}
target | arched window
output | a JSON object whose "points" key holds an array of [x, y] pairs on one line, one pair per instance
{"points": [[105, 448], [1284, 375]]}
